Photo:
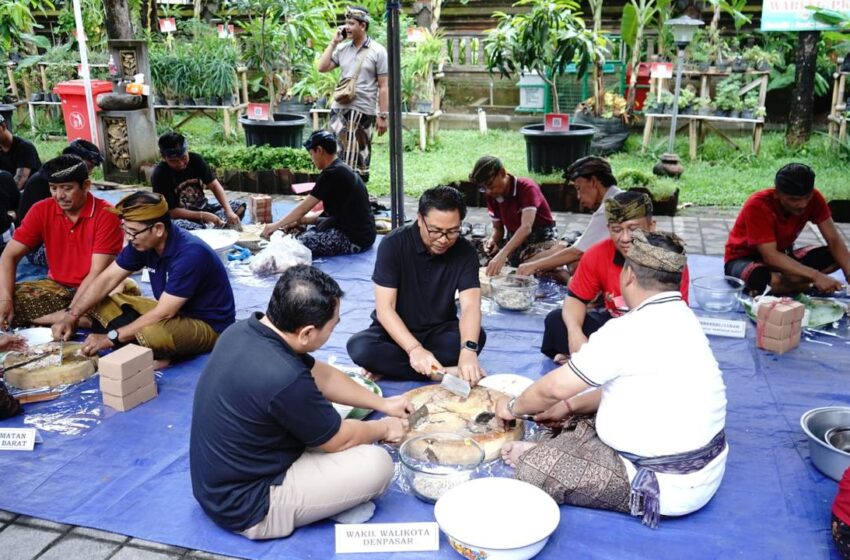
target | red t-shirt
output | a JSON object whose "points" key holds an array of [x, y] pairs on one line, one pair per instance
{"points": [[524, 194], [70, 246], [841, 506], [762, 220], [599, 272]]}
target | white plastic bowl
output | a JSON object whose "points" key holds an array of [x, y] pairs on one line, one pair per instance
{"points": [[717, 293], [472, 515], [221, 240]]}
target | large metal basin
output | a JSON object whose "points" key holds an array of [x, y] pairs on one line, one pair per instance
{"points": [[815, 423]]}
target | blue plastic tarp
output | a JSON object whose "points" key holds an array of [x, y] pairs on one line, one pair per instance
{"points": [[129, 472]]}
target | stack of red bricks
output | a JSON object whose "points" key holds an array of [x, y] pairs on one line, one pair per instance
{"points": [[779, 325], [261, 208], [126, 377]]}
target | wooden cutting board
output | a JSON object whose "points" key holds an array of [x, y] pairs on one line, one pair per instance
{"points": [[449, 413], [48, 372]]}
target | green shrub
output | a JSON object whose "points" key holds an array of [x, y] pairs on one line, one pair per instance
{"points": [[257, 158]]}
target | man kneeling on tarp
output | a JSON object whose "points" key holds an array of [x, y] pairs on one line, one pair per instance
{"points": [[194, 300], [656, 445], [262, 401]]}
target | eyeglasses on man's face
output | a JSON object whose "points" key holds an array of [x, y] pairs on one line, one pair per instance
{"points": [[487, 185], [435, 233], [132, 234]]}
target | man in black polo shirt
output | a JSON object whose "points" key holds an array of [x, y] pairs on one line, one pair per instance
{"points": [[415, 329], [346, 225], [18, 157], [262, 400]]}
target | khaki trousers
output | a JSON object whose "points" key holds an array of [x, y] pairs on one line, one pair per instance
{"points": [[319, 485], [178, 336]]}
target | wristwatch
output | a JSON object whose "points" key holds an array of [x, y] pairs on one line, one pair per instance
{"points": [[383, 114], [514, 414], [113, 337], [470, 345]]}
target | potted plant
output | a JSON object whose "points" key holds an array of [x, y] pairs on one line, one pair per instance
{"points": [[702, 106], [686, 98], [518, 44], [736, 108], [760, 113], [420, 63], [667, 100], [702, 60], [760, 59], [664, 192], [726, 95], [751, 103]]}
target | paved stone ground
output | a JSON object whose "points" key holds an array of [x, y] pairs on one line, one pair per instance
{"points": [[27, 538]]}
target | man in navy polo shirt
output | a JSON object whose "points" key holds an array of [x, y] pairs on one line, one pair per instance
{"points": [[268, 453], [194, 300], [415, 330]]}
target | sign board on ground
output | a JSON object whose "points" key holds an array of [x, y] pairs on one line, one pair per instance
{"points": [[794, 15], [17, 439], [661, 70], [387, 537], [732, 328]]}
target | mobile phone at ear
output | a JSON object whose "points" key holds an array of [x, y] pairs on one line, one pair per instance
{"points": [[344, 32]]}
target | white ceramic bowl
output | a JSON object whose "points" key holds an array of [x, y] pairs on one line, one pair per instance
{"points": [[717, 293], [431, 474], [497, 518], [221, 240]]}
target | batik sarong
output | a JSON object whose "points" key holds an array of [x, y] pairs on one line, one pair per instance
{"points": [[575, 467], [353, 131]]}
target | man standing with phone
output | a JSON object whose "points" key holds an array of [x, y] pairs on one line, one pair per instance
{"points": [[361, 99]]}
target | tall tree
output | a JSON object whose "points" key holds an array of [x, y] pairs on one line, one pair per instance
{"points": [[801, 111], [118, 19]]}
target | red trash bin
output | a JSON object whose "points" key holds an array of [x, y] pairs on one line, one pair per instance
{"points": [[73, 95], [642, 84]]}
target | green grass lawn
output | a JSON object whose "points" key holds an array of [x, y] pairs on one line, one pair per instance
{"points": [[722, 176]]}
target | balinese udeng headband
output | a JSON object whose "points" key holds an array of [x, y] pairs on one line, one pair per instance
{"points": [[142, 211], [485, 169], [646, 254], [617, 213], [77, 149], [75, 172], [175, 152], [590, 165], [357, 14]]}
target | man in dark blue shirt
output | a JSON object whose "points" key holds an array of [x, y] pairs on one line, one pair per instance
{"points": [[415, 330], [194, 300], [262, 400]]}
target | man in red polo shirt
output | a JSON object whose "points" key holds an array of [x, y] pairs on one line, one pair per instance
{"points": [[598, 275], [517, 207], [80, 237], [760, 249]]}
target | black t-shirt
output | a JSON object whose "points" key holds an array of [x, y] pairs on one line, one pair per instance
{"points": [[256, 409], [21, 154], [183, 189], [36, 189], [9, 197], [426, 283], [346, 202]]}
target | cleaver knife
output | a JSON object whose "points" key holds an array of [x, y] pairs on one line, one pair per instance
{"points": [[453, 384], [417, 415]]}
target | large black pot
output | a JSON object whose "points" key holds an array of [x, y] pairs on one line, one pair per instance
{"points": [[294, 106], [548, 152], [611, 134], [284, 131], [7, 111]]}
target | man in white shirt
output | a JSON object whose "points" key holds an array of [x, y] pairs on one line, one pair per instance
{"points": [[656, 445], [595, 182]]}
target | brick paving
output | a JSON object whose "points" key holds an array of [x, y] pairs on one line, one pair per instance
{"points": [[27, 538]]}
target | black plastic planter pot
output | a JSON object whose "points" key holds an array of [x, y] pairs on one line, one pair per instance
{"points": [[549, 152], [840, 210], [284, 131]]}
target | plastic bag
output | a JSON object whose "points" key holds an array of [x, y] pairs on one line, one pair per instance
{"points": [[282, 252]]}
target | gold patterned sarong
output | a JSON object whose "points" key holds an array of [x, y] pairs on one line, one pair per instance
{"points": [[171, 338], [37, 298]]}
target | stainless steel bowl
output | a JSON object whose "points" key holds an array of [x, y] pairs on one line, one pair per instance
{"points": [[829, 460], [839, 438]]}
